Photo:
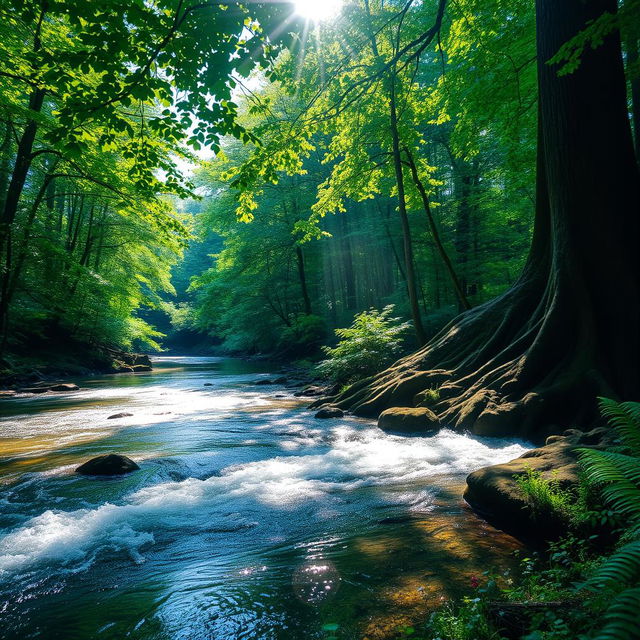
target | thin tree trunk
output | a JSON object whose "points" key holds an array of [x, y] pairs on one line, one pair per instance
{"points": [[442, 252], [404, 218], [303, 280]]}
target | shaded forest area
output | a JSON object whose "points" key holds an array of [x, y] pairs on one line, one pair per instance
{"points": [[94, 240]]}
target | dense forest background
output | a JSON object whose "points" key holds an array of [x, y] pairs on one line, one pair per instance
{"points": [[246, 180], [278, 252]]}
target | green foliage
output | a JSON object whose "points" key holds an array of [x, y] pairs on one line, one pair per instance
{"points": [[592, 36], [615, 473], [465, 620], [545, 497], [370, 344], [304, 336]]}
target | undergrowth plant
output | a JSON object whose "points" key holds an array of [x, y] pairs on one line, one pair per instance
{"points": [[373, 341], [615, 472], [545, 496]]}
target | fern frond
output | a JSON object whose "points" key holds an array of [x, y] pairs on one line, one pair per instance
{"points": [[621, 618], [623, 567], [603, 467], [624, 417], [620, 474]]}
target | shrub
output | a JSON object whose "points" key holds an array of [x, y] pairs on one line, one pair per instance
{"points": [[369, 345]]}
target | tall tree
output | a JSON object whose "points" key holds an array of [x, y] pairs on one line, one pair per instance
{"points": [[566, 332]]}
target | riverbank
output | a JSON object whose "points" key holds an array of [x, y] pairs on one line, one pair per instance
{"points": [[50, 364]]}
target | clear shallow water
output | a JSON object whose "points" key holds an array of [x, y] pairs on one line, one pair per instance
{"points": [[249, 518]]}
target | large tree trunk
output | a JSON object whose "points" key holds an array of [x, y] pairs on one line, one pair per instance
{"points": [[536, 357]]}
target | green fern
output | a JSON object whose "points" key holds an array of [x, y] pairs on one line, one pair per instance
{"points": [[624, 417], [623, 567], [621, 618], [616, 473]]}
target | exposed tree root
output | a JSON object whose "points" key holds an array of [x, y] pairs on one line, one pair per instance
{"points": [[509, 367]]}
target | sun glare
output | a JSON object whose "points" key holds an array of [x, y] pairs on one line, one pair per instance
{"points": [[318, 10]]}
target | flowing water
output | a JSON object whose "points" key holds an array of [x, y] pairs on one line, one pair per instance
{"points": [[249, 519]]}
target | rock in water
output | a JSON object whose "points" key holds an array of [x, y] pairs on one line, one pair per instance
{"points": [[117, 416], [108, 465], [494, 491], [409, 420], [67, 386], [329, 412]]}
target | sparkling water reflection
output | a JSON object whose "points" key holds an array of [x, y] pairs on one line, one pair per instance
{"points": [[249, 519]]}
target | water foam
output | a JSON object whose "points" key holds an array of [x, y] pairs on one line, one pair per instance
{"points": [[355, 457]]}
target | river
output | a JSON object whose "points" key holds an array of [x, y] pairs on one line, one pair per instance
{"points": [[249, 519]]}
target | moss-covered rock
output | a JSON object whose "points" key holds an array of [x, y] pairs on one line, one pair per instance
{"points": [[409, 420], [495, 494]]}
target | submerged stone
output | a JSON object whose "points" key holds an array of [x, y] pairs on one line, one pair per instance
{"points": [[329, 412], [111, 464], [409, 420], [117, 416], [67, 386]]}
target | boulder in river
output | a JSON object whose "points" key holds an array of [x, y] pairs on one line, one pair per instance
{"points": [[495, 494], [43, 388], [409, 420], [66, 386], [111, 464], [208, 384], [117, 416], [329, 412], [264, 382]]}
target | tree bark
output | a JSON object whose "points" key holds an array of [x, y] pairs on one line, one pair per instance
{"points": [[410, 271], [303, 281]]}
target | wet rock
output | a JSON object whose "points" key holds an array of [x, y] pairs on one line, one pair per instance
{"points": [[264, 382], [67, 386], [208, 384], [129, 362], [108, 465], [7, 393], [329, 412], [33, 390], [117, 416], [494, 493], [281, 380], [311, 391], [409, 420]]}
